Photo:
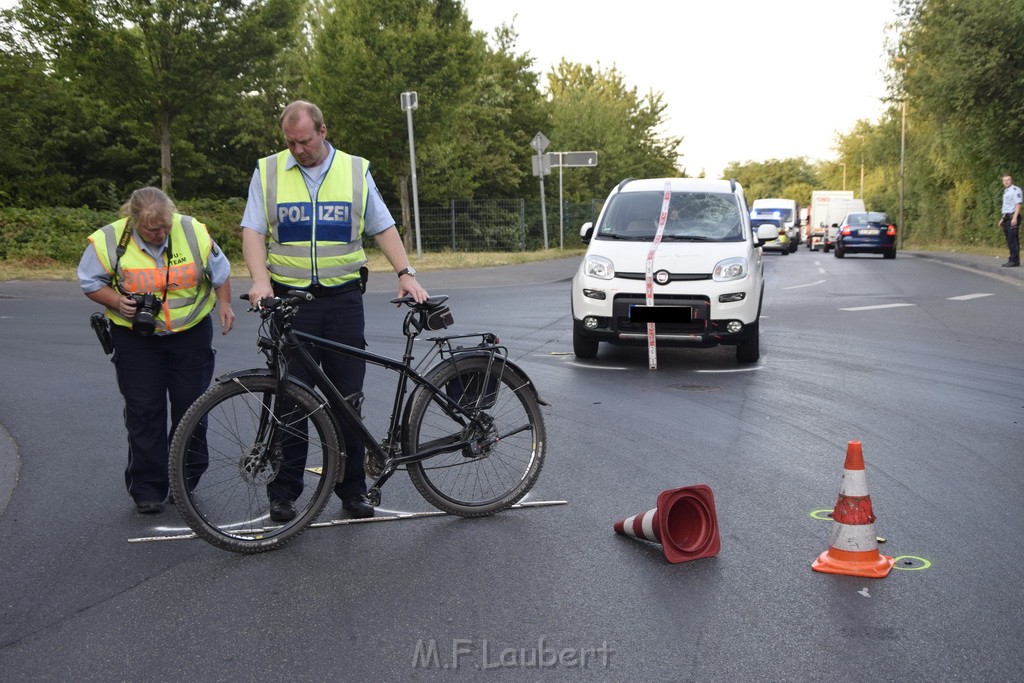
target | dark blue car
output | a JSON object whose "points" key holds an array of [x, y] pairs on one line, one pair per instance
{"points": [[866, 232]]}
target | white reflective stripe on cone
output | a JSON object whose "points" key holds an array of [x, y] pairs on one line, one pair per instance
{"points": [[648, 525], [854, 537], [855, 483]]}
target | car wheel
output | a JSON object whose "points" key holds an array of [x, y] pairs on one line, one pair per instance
{"points": [[840, 252], [793, 246], [749, 350], [890, 254], [584, 346]]}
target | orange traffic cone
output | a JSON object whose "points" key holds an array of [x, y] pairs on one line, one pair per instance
{"points": [[684, 523], [854, 547]]}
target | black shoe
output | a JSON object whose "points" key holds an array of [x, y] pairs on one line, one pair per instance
{"points": [[149, 507], [1011, 264], [358, 506], [282, 511]]}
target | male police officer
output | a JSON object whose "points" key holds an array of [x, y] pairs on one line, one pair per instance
{"points": [[1010, 221], [308, 210]]}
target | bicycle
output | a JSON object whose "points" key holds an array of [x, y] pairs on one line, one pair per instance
{"points": [[468, 429]]}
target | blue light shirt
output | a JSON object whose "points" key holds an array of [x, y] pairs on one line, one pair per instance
{"points": [[377, 218], [1012, 196]]}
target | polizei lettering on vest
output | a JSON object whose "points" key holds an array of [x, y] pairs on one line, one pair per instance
{"points": [[293, 213], [334, 213]]}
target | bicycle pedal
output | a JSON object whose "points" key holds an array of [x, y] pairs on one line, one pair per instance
{"points": [[373, 496]]}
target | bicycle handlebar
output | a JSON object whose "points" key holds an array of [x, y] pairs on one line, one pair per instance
{"points": [[430, 304]]}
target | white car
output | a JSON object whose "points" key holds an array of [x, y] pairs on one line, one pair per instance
{"points": [[706, 272]]}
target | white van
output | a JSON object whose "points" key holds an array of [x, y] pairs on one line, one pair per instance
{"points": [[785, 209], [706, 272]]}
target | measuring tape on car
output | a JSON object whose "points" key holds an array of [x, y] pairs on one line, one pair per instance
{"points": [[652, 346]]}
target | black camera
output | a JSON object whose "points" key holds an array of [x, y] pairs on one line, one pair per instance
{"points": [[147, 307]]}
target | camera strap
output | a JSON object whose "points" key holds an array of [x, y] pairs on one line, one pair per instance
{"points": [[122, 247]]}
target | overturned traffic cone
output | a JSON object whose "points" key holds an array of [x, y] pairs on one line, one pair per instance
{"points": [[684, 523], [854, 547]]}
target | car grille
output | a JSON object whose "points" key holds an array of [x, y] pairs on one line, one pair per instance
{"points": [[700, 305], [672, 277]]}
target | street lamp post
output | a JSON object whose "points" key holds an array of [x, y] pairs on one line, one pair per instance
{"points": [[903, 155], [409, 102]]}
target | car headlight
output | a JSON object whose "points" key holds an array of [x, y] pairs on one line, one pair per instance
{"points": [[730, 269], [599, 267]]}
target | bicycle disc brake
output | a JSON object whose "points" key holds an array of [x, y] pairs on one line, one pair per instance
{"points": [[261, 464]]}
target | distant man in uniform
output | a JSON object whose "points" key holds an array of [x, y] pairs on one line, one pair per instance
{"points": [[1010, 221]]}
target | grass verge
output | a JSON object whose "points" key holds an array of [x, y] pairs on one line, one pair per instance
{"points": [[445, 260]]}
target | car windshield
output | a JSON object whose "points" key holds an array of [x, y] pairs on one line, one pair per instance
{"points": [[692, 216], [873, 218]]}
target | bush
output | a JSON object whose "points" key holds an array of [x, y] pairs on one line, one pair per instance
{"points": [[59, 235]]}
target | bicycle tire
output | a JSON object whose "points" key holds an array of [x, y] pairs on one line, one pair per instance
{"points": [[226, 503], [481, 484]]}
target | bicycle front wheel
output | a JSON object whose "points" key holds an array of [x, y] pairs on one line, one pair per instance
{"points": [[243, 443], [505, 453]]}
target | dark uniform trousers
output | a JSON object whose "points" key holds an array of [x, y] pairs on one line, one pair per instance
{"points": [[151, 369], [336, 315], [1012, 233]]}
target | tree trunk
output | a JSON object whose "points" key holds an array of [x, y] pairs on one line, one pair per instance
{"points": [[403, 187], [165, 152]]}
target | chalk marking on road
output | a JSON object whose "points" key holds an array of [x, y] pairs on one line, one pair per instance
{"points": [[598, 367], [734, 370], [910, 563], [397, 516], [875, 308], [968, 297], [809, 284], [821, 269]]}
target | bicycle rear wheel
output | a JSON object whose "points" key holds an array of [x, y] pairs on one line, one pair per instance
{"points": [[507, 453], [228, 449]]}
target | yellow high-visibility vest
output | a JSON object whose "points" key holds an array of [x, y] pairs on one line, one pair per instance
{"points": [[183, 273], [318, 237]]}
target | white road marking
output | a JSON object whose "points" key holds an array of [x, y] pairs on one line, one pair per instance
{"points": [[809, 284], [967, 297], [875, 308], [717, 372]]}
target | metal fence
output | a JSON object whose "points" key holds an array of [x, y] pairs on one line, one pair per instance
{"points": [[498, 225]]}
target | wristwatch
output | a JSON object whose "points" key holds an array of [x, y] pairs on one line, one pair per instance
{"points": [[407, 271]]}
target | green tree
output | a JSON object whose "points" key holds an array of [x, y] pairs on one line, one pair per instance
{"points": [[366, 54], [959, 69], [154, 60], [783, 178], [594, 109]]}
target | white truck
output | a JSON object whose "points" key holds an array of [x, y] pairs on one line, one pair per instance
{"points": [[836, 213], [825, 204], [784, 209]]}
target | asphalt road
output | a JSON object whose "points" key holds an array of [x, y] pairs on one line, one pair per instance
{"points": [[918, 358]]}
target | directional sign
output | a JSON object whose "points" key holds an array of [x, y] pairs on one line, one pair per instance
{"points": [[572, 159], [540, 143], [541, 164]]}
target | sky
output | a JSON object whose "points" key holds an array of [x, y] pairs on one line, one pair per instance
{"points": [[746, 80]]}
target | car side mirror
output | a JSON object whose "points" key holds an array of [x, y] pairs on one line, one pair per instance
{"points": [[586, 232], [765, 233]]}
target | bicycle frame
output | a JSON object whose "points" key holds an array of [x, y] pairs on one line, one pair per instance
{"points": [[292, 346]]}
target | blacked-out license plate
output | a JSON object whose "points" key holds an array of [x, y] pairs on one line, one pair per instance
{"points": [[660, 314]]}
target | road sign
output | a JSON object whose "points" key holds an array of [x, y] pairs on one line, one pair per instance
{"points": [[540, 143], [573, 159], [541, 163], [409, 101]]}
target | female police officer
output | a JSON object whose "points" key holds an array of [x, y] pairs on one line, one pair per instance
{"points": [[156, 272]]}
